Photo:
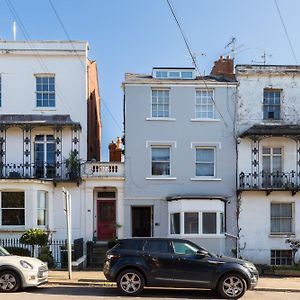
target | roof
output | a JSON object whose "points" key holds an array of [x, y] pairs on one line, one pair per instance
{"points": [[195, 197], [267, 69], [42, 120], [134, 78], [272, 130]]}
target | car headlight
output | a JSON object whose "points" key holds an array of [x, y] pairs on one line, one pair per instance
{"points": [[25, 264], [250, 266]]}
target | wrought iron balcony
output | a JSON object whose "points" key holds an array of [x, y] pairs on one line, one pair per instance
{"points": [[269, 181], [61, 171], [40, 170]]}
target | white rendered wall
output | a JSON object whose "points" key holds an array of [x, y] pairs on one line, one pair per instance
{"points": [[256, 240], [18, 69]]}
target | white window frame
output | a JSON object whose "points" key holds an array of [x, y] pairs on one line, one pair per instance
{"points": [[280, 257], [160, 144], [45, 209], [169, 104], [42, 107], [276, 233], [12, 208], [219, 231], [161, 147], [199, 105], [202, 148], [264, 105]]}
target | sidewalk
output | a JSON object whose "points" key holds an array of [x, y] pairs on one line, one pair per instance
{"points": [[96, 278]]}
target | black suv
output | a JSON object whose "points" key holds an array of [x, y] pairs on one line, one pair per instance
{"points": [[138, 262]]}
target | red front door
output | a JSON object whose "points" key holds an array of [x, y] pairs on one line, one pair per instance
{"points": [[106, 219]]}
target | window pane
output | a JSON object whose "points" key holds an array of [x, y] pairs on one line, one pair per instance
{"points": [[209, 224], [42, 199], [157, 246], [184, 248], [191, 223], [13, 200], [160, 168], [160, 154], [205, 169], [13, 217], [204, 155], [175, 223]]}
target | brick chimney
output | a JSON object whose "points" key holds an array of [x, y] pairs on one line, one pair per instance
{"points": [[115, 151], [224, 67]]}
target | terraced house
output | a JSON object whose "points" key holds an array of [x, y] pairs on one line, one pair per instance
{"points": [[268, 161], [180, 155], [50, 132]]}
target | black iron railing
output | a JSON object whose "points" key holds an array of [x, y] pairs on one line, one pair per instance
{"points": [[269, 180], [40, 170]]}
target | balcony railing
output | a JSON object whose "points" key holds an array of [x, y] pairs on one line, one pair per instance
{"points": [[61, 171], [269, 181], [40, 170], [103, 169]]}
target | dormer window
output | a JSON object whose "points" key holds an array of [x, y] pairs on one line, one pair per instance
{"points": [[180, 73], [271, 104]]}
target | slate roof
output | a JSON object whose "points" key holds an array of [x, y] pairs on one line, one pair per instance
{"points": [[272, 130], [42, 120]]}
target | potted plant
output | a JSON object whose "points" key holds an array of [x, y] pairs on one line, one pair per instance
{"points": [[73, 165]]}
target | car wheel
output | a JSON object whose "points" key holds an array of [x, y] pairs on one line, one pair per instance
{"points": [[130, 282], [9, 281], [232, 286]]}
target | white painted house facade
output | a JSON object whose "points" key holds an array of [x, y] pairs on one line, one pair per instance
{"points": [[268, 161], [44, 93]]}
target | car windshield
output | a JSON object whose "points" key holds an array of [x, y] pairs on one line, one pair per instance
{"points": [[3, 252]]}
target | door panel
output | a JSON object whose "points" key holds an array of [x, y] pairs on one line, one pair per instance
{"points": [[106, 219], [159, 261], [141, 221]]}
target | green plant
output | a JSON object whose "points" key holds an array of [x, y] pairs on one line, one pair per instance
{"points": [[73, 165], [45, 255], [294, 245], [34, 236]]}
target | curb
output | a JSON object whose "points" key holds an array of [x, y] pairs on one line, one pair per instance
{"points": [[109, 284], [282, 290], [89, 283]]}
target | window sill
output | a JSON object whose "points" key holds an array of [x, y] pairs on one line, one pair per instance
{"points": [[205, 120], [160, 178], [8, 229], [45, 109], [160, 119], [197, 235], [282, 235], [205, 179]]}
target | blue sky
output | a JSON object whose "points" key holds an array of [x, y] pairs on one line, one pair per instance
{"points": [[135, 35]]}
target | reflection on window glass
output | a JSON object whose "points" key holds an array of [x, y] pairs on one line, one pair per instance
{"points": [[160, 161], [209, 222], [191, 224], [13, 208], [175, 223]]}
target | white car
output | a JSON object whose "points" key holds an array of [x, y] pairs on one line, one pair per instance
{"points": [[18, 272]]}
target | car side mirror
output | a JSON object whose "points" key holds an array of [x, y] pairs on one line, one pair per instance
{"points": [[201, 253]]}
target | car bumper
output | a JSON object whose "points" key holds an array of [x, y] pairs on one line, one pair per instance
{"points": [[35, 278], [253, 281]]}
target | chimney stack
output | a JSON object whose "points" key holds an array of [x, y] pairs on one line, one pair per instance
{"points": [[224, 67], [115, 151]]}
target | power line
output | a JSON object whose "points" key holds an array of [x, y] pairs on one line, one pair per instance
{"points": [[70, 40], [195, 62], [286, 32]]}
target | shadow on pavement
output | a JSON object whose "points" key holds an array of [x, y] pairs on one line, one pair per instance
{"points": [[109, 292]]}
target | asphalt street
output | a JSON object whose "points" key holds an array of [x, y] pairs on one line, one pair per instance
{"points": [[84, 293]]}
